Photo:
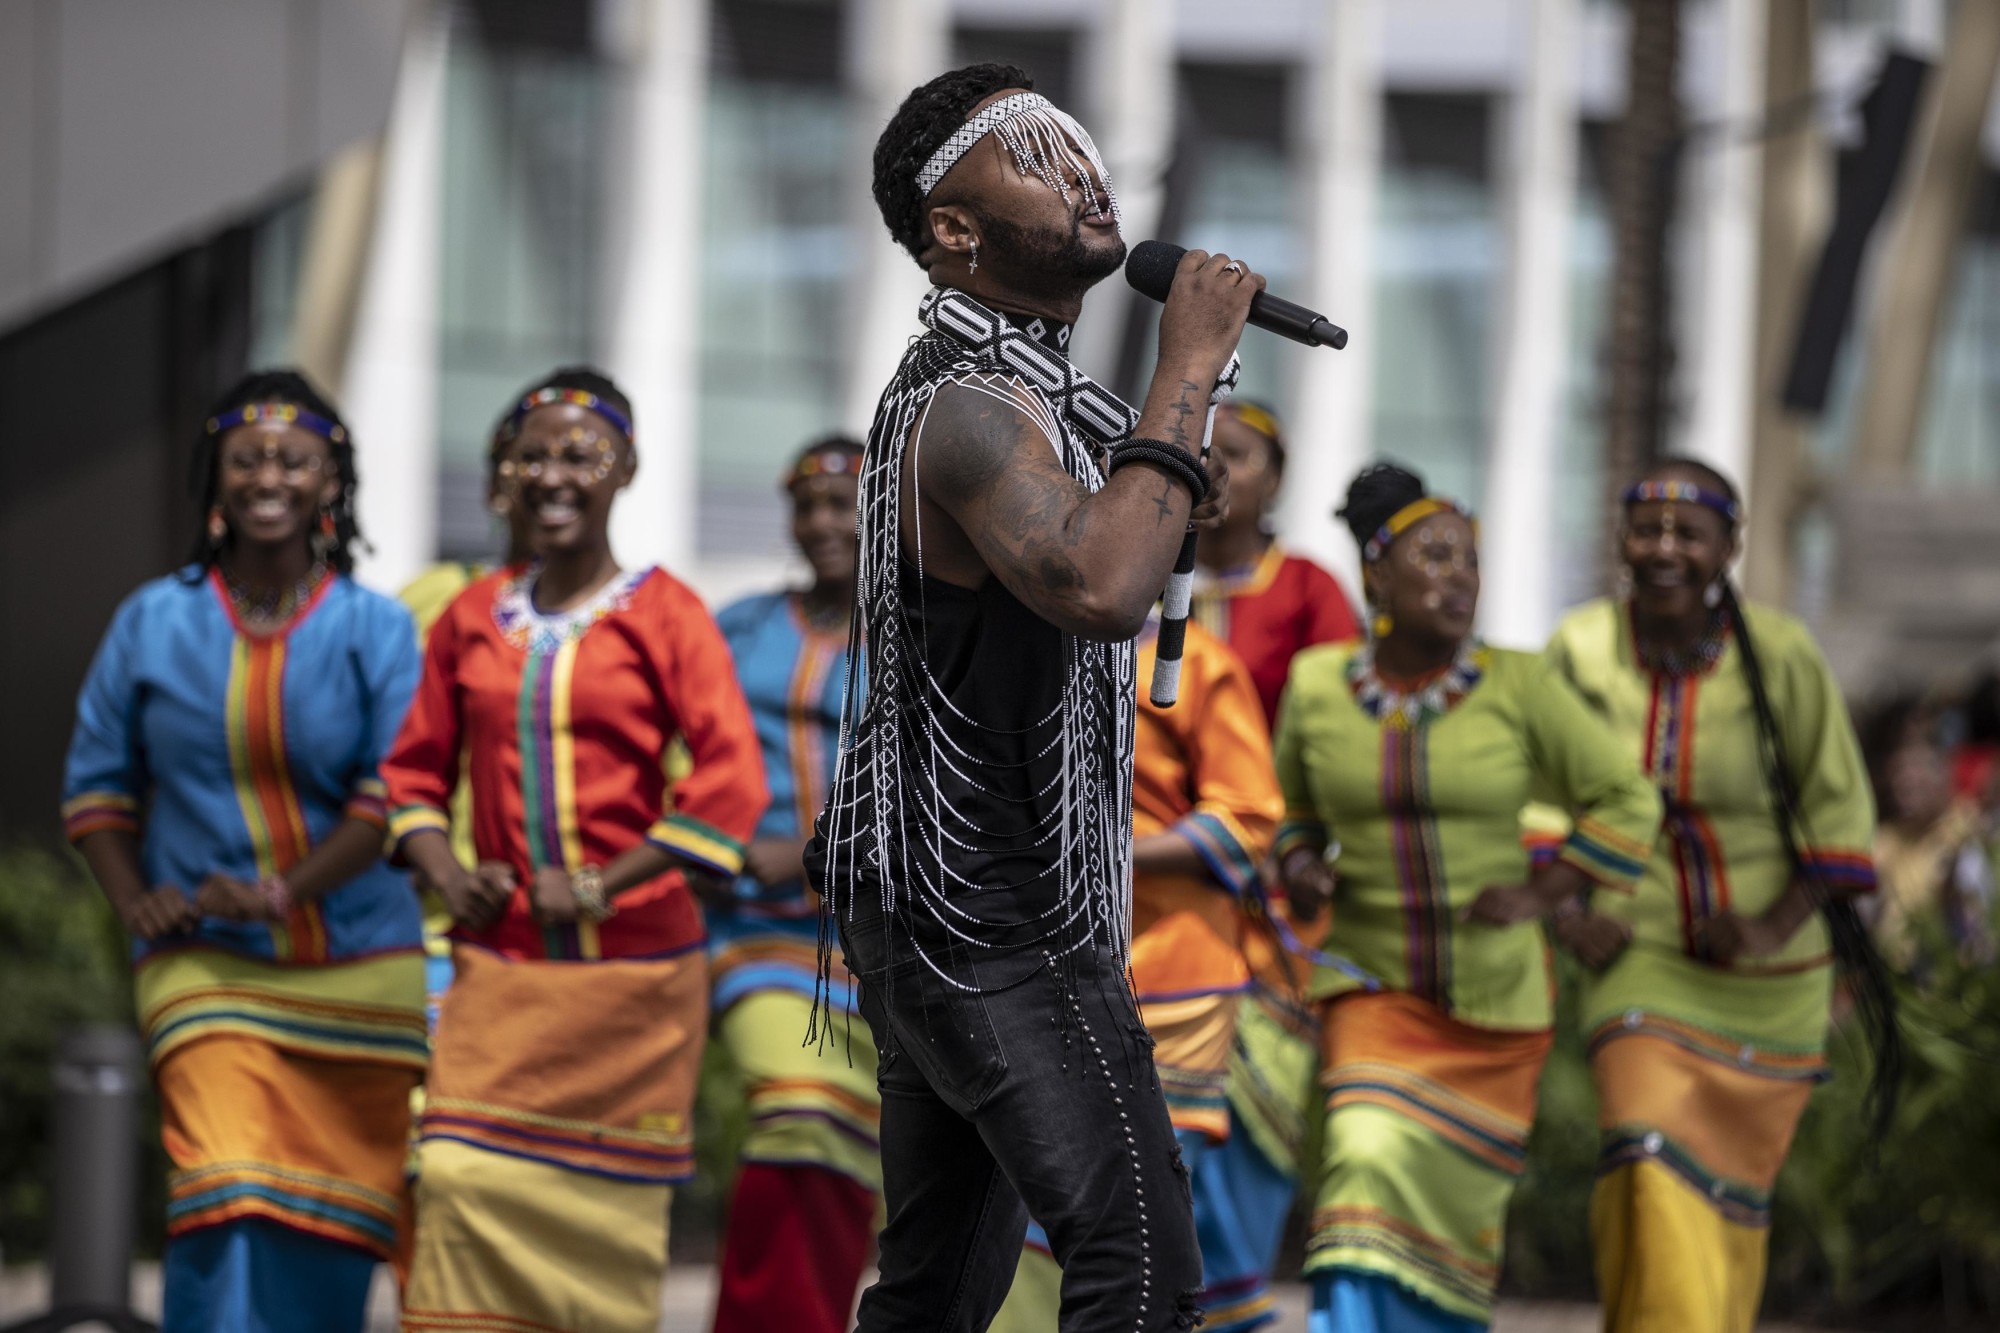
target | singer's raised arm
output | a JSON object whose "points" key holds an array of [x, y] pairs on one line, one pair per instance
{"points": [[990, 496]]}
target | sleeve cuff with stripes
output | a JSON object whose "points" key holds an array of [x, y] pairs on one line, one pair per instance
{"points": [[94, 811], [703, 844], [1219, 841]]}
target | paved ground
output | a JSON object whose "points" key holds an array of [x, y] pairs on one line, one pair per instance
{"points": [[686, 1302]]}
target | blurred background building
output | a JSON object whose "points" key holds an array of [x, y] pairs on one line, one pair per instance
{"points": [[427, 204]]}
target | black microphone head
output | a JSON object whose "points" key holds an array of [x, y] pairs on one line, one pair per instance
{"points": [[1150, 268]]}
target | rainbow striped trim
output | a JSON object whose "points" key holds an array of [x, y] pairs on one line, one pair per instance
{"points": [[1487, 1137], [1402, 520], [833, 461], [1683, 492], [284, 414], [704, 844], [1352, 1227], [1801, 1065], [405, 820], [638, 1156], [94, 811], [1625, 1145], [1196, 1099], [320, 1205], [369, 803], [1238, 1307], [1296, 831], [578, 397], [1419, 861], [1222, 845], [1605, 854], [370, 1010], [1840, 870]]}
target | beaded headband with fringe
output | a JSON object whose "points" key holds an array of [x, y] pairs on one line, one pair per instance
{"points": [[1045, 141], [1402, 520], [1684, 492], [831, 461], [581, 397], [287, 414]]}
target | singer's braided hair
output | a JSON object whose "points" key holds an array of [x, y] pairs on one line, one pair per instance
{"points": [[205, 479], [1854, 952], [928, 116]]}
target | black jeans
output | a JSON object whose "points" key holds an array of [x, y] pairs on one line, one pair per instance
{"points": [[1035, 1098]]}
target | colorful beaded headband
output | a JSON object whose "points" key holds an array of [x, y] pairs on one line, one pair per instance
{"points": [[1257, 419], [1402, 520], [287, 414], [581, 397], [823, 463], [1684, 492], [1045, 142]]}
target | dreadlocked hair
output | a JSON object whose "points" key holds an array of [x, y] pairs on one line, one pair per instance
{"points": [[1867, 976], [588, 379], [1377, 494], [928, 116], [205, 480]]}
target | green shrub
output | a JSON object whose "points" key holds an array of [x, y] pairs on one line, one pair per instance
{"points": [[62, 964]]}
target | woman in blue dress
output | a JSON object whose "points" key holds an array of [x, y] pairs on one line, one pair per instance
{"points": [[222, 786]]}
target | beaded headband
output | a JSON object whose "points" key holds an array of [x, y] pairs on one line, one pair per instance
{"points": [[1684, 492], [1257, 419], [1045, 141], [287, 414], [1404, 519], [832, 462], [581, 397]]}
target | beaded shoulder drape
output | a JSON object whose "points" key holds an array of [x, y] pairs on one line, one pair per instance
{"points": [[912, 802]]}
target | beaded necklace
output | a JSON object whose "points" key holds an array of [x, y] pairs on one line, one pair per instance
{"points": [[1408, 708], [267, 606], [531, 630], [1695, 660]]}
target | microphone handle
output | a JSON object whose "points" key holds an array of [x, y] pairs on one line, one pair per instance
{"points": [[1172, 641], [1290, 320]]}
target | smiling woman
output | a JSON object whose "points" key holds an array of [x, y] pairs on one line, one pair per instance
{"points": [[1406, 763], [222, 785], [545, 1162]]}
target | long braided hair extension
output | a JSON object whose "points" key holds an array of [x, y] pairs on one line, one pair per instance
{"points": [[1869, 983], [204, 474]]}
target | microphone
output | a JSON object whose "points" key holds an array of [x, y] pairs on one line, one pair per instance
{"points": [[1150, 269]]}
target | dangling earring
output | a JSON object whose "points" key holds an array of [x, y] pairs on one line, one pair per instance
{"points": [[218, 527], [501, 505], [1382, 625], [322, 540], [975, 256], [1711, 596]]}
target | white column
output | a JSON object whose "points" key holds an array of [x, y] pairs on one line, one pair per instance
{"points": [[1727, 178], [1341, 134], [1518, 537], [893, 46], [390, 393], [1130, 115], [654, 284]]}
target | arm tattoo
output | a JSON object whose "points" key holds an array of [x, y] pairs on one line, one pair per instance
{"points": [[1182, 409]]}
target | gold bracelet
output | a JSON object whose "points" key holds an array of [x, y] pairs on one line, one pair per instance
{"points": [[587, 884]]}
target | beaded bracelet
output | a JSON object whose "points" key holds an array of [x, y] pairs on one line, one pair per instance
{"points": [[1178, 463]]}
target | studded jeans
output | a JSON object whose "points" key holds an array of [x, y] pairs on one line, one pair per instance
{"points": [[1035, 1096]]}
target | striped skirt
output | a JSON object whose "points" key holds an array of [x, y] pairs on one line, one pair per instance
{"points": [[1701, 1076], [284, 1107], [1427, 1125], [559, 1115]]}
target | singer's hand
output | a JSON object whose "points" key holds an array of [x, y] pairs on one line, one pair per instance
{"points": [[1204, 315], [1214, 509]]}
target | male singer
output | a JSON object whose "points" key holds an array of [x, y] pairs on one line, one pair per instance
{"points": [[1017, 522]]}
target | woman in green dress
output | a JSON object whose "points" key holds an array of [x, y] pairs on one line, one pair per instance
{"points": [[1406, 763]]}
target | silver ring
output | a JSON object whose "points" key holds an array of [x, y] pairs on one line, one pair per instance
{"points": [[1232, 267]]}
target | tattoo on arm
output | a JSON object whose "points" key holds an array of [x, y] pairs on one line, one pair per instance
{"points": [[1183, 408], [1164, 502]]}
